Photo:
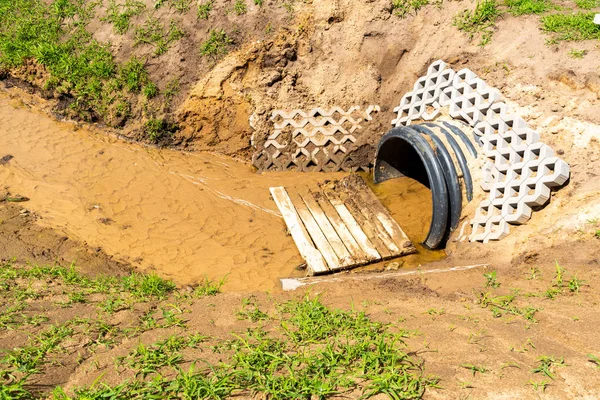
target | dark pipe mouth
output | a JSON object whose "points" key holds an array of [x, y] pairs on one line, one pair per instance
{"points": [[398, 158], [405, 152]]}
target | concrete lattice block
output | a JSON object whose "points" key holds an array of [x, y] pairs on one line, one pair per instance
{"points": [[496, 229], [553, 172], [317, 140]]}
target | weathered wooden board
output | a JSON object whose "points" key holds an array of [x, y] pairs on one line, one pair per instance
{"points": [[341, 225], [328, 230], [353, 226], [315, 233], [359, 255], [391, 226], [304, 243]]}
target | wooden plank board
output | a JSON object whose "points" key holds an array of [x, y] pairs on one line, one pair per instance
{"points": [[333, 261], [390, 225], [328, 230], [361, 238], [368, 228], [377, 226], [342, 225], [314, 259], [360, 256]]}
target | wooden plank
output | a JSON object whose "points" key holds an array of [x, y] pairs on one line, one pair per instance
{"points": [[314, 259], [319, 239], [353, 226], [368, 228], [390, 225], [359, 255], [376, 224], [328, 230]]}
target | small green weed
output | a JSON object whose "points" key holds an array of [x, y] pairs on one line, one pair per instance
{"points": [[571, 27], [133, 74], [120, 14], [481, 20], [239, 7], [534, 273], [216, 45], [208, 287], [402, 8], [593, 359], [145, 286], [147, 360], [575, 284], [150, 90], [204, 9], [250, 310], [491, 280], [523, 7], [541, 385], [153, 33], [158, 128], [182, 6], [547, 364], [475, 368]]}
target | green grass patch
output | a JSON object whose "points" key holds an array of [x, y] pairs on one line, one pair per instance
{"points": [[153, 33], [209, 287], [216, 45], [402, 8], [481, 21], [204, 9], [140, 286], [158, 128], [54, 35], [182, 6], [314, 352], [239, 7], [578, 54], [571, 27], [524, 7], [120, 14], [302, 350], [587, 4]]}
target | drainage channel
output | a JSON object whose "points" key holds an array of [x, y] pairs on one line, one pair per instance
{"points": [[185, 216]]}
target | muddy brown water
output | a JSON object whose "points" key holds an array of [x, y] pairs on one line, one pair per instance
{"points": [[183, 215]]}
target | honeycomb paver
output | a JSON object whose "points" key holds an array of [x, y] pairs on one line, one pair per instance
{"points": [[519, 170]]}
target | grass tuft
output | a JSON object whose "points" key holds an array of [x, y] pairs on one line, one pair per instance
{"points": [[524, 7], [216, 45], [204, 9], [482, 20], [402, 8], [587, 4], [208, 287], [239, 7], [120, 14], [571, 27]]}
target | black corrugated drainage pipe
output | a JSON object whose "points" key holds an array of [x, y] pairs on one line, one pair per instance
{"points": [[436, 155]]}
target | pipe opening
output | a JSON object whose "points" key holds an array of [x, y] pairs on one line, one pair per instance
{"points": [[397, 158]]}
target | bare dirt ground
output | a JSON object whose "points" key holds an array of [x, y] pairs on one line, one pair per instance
{"points": [[482, 337]]}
